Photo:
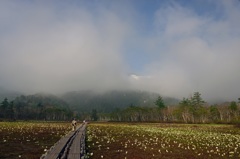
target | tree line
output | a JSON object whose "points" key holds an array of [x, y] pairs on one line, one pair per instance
{"points": [[34, 107], [189, 110]]}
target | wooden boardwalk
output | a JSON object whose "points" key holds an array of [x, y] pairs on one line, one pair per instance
{"points": [[72, 146]]}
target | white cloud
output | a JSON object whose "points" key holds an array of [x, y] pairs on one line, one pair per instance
{"points": [[195, 53], [46, 49]]}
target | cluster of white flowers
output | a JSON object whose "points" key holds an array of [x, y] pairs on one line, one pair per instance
{"points": [[201, 140]]}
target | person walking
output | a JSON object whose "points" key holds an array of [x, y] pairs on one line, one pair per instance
{"points": [[74, 124]]}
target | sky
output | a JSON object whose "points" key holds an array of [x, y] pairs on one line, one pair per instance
{"points": [[171, 47]]}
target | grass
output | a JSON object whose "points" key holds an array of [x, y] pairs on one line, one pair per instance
{"points": [[165, 141], [29, 140]]}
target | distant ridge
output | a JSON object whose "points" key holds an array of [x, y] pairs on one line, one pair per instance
{"points": [[106, 102], [86, 101]]}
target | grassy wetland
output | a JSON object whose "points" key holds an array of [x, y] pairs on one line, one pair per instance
{"points": [[29, 140], [165, 141]]}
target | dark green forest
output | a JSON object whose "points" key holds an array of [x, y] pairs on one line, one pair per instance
{"points": [[35, 107], [86, 101], [188, 110], [124, 106]]}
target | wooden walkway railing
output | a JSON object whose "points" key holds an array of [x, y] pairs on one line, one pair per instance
{"points": [[72, 146]]}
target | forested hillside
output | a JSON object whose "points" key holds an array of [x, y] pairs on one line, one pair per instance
{"points": [[136, 106], [37, 107], [50, 107], [86, 101]]}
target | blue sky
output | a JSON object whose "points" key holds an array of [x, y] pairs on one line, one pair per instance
{"points": [[172, 47]]}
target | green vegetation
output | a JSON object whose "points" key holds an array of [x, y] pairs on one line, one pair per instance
{"points": [[86, 101], [29, 140], [35, 107], [192, 110], [94, 115], [165, 141], [127, 106], [160, 103]]}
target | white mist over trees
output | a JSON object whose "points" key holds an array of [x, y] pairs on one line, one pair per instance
{"points": [[169, 47]]}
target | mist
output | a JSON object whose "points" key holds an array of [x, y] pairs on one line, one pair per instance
{"points": [[172, 49]]}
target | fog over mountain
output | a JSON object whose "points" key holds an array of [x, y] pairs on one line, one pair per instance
{"points": [[86, 101], [4, 93], [169, 47]]}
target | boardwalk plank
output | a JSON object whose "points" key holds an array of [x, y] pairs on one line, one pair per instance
{"points": [[62, 143], [74, 156], [76, 145]]}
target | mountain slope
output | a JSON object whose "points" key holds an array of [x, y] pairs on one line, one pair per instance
{"points": [[87, 100], [42, 99]]}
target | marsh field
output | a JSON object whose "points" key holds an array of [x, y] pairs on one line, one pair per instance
{"points": [[29, 140], [165, 141]]}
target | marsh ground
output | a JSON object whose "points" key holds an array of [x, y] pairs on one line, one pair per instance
{"points": [[29, 140], [165, 141]]}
